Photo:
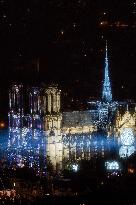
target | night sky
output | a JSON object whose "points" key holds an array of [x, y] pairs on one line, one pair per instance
{"points": [[67, 40]]}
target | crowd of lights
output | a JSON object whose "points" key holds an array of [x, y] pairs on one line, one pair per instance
{"points": [[25, 146], [80, 146], [107, 94], [112, 165], [127, 141], [127, 137], [126, 151]]}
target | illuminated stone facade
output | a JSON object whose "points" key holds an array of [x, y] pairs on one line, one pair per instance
{"points": [[71, 136], [52, 125], [125, 131]]}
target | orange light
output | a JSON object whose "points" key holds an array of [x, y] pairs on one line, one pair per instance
{"points": [[131, 171], [103, 23], [2, 125]]}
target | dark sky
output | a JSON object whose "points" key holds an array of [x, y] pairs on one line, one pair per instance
{"points": [[67, 39]]}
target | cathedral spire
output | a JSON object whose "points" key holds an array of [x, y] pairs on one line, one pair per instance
{"points": [[106, 93]]}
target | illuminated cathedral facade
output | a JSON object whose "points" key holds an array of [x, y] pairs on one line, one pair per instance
{"points": [[72, 136], [77, 135]]}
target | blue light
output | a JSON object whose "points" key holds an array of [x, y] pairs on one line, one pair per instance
{"points": [[106, 94], [24, 147]]}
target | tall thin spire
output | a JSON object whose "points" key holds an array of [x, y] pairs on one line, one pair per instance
{"points": [[106, 93]]}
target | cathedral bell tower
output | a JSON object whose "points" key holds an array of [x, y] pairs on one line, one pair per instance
{"points": [[52, 124]]}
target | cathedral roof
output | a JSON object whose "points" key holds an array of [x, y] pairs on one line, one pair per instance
{"points": [[79, 118]]}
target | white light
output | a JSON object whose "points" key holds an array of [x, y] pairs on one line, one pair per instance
{"points": [[112, 165], [21, 165], [127, 137], [75, 167], [62, 32], [4, 16], [126, 151]]}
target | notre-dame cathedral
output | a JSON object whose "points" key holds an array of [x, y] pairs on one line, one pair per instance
{"points": [[76, 135]]}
